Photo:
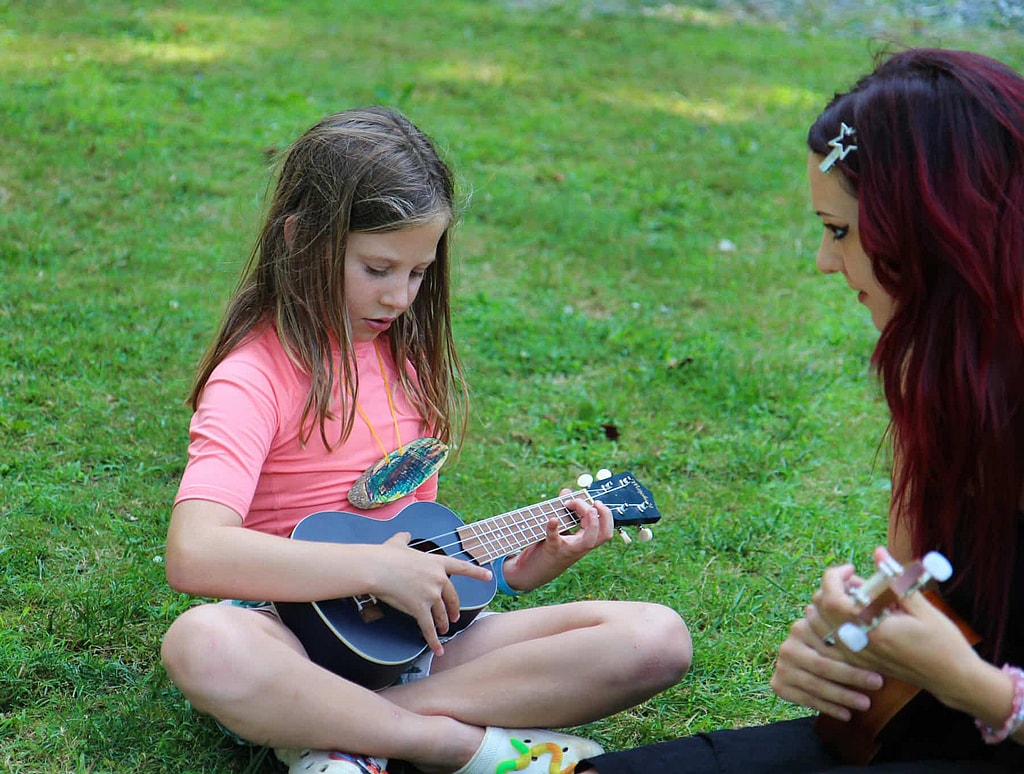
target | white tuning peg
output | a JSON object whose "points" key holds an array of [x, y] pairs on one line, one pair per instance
{"points": [[603, 473], [625, 536], [853, 637], [644, 534], [585, 480]]}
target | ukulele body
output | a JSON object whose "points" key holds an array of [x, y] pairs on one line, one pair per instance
{"points": [[371, 643]]}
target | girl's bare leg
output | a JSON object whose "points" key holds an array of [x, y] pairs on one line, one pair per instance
{"points": [[554, 666], [549, 667], [246, 669]]}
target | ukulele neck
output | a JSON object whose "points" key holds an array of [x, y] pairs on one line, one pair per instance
{"points": [[507, 533]]}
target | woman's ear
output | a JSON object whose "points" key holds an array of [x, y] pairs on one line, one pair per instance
{"points": [[289, 230]]}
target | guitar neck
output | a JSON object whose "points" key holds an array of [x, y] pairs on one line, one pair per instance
{"points": [[507, 533]]}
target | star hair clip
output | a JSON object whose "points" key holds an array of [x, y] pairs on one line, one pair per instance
{"points": [[842, 145]]}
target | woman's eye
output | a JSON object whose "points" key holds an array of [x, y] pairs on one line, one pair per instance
{"points": [[838, 232], [374, 272]]}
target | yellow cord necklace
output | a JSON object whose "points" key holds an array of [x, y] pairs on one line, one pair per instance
{"points": [[398, 473]]}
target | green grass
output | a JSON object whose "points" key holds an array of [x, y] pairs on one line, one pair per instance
{"points": [[604, 157]]}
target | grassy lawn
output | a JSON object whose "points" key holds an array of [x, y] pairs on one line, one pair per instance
{"points": [[636, 290]]}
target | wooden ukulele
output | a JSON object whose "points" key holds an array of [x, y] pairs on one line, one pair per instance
{"points": [[860, 739], [370, 643]]}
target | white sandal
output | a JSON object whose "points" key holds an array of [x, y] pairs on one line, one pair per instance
{"points": [[329, 762], [530, 751]]}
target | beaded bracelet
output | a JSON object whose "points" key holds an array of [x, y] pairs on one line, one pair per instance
{"points": [[1016, 717], [498, 568]]}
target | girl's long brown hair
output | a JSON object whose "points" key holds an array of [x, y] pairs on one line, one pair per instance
{"points": [[367, 170]]}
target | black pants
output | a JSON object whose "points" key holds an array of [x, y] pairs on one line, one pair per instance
{"points": [[788, 747]]}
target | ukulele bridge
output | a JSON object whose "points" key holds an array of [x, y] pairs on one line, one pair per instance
{"points": [[368, 607]]}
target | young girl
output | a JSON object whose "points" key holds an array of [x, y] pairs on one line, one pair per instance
{"points": [[917, 175], [335, 366]]}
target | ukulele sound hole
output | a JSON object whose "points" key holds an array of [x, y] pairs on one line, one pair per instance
{"points": [[426, 546]]}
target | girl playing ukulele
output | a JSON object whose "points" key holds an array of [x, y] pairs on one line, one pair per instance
{"points": [[335, 366]]}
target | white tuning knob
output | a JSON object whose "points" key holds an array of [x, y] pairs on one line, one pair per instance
{"points": [[585, 480], [644, 534], [603, 473], [625, 536], [937, 566], [852, 637]]}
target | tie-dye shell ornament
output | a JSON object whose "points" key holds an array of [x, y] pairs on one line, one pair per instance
{"points": [[398, 474]]}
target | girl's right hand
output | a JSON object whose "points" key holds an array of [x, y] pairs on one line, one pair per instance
{"points": [[419, 584], [813, 674]]}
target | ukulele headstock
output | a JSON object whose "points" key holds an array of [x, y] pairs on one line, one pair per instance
{"points": [[880, 593], [630, 502]]}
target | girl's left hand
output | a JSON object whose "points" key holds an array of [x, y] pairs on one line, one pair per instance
{"points": [[548, 559]]}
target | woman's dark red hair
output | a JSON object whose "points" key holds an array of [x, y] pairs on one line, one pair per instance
{"points": [[939, 177]]}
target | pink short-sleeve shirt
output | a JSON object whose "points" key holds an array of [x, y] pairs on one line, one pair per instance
{"points": [[245, 450]]}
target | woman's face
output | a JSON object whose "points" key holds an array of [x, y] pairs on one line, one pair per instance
{"points": [[840, 249]]}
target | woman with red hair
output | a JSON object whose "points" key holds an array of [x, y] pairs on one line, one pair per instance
{"points": [[917, 174]]}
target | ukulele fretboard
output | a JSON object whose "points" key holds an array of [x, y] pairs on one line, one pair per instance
{"points": [[510, 532]]}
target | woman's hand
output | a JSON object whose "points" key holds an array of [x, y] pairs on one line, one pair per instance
{"points": [[814, 674], [419, 584], [549, 558], [916, 642]]}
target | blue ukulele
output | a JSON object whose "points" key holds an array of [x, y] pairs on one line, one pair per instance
{"points": [[370, 643]]}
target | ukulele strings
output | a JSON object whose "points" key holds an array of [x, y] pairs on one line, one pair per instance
{"points": [[489, 531], [493, 534]]}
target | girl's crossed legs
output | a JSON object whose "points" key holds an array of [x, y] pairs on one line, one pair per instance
{"points": [[554, 666]]}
